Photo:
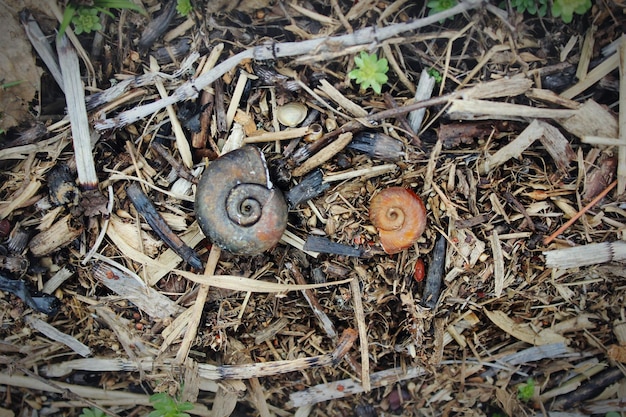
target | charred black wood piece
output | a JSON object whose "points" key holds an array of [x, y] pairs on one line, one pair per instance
{"points": [[325, 245], [62, 188], [310, 187], [158, 26], [145, 207], [378, 145], [435, 274], [44, 303]]}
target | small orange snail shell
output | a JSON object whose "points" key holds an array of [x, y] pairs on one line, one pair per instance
{"points": [[237, 206], [400, 217]]}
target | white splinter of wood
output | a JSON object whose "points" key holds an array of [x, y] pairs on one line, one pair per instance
{"points": [[498, 264], [591, 254], [425, 88], [621, 158], [44, 50], [181, 140], [514, 149], [52, 333], [75, 99]]}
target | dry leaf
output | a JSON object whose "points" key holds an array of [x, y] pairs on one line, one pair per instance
{"points": [[524, 332], [18, 69]]}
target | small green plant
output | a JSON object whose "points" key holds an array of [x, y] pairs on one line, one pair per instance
{"points": [[92, 412], [370, 71], [525, 392], [86, 21], [166, 406], [567, 8], [437, 6], [533, 7], [85, 17], [435, 74], [183, 7]]}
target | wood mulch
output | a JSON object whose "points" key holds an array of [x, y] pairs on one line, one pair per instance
{"points": [[510, 127]]}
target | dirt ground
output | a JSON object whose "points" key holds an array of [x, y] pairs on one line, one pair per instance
{"points": [[494, 144]]}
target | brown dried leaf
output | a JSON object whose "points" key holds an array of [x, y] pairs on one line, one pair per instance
{"points": [[17, 65]]}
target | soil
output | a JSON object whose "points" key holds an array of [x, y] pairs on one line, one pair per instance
{"points": [[504, 126]]}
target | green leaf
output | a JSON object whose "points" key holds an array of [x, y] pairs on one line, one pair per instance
{"points": [[525, 392], [92, 412], [68, 14], [119, 4], [566, 8], [183, 7]]}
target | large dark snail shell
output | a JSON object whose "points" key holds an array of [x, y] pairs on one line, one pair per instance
{"points": [[237, 206]]}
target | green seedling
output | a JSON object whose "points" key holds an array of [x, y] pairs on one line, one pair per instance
{"points": [[533, 7], [437, 6], [86, 19], [370, 71], [183, 7], [92, 412], [166, 406], [567, 8], [435, 74], [525, 392]]}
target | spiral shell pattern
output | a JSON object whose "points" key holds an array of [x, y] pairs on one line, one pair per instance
{"points": [[400, 217], [237, 206]]}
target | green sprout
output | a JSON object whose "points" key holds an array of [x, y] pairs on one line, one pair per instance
{"points": [[166, 406], [183, 7], [525, 392], [437, 6], [435, 74], [533, 7], [92, 412], [567, 8], [86, 19], [370, 71]]}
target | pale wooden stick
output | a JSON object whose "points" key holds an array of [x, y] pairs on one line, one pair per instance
{"points": [[324, 155], [293, 133], [181, 140], [472, 108], [343, 101], [52, 333], [499, 272], [359, 317], [599, 140], [368, 172], [75, 99], [396, 67], [237, 94], [53, 6], [591, 254], [192, 326], [586, 52], [424, 91], [592, 77], [621, 156]]}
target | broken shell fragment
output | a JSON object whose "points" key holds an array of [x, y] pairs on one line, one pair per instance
{"points": [[400, 217], [315, 132], [291, 114]]}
